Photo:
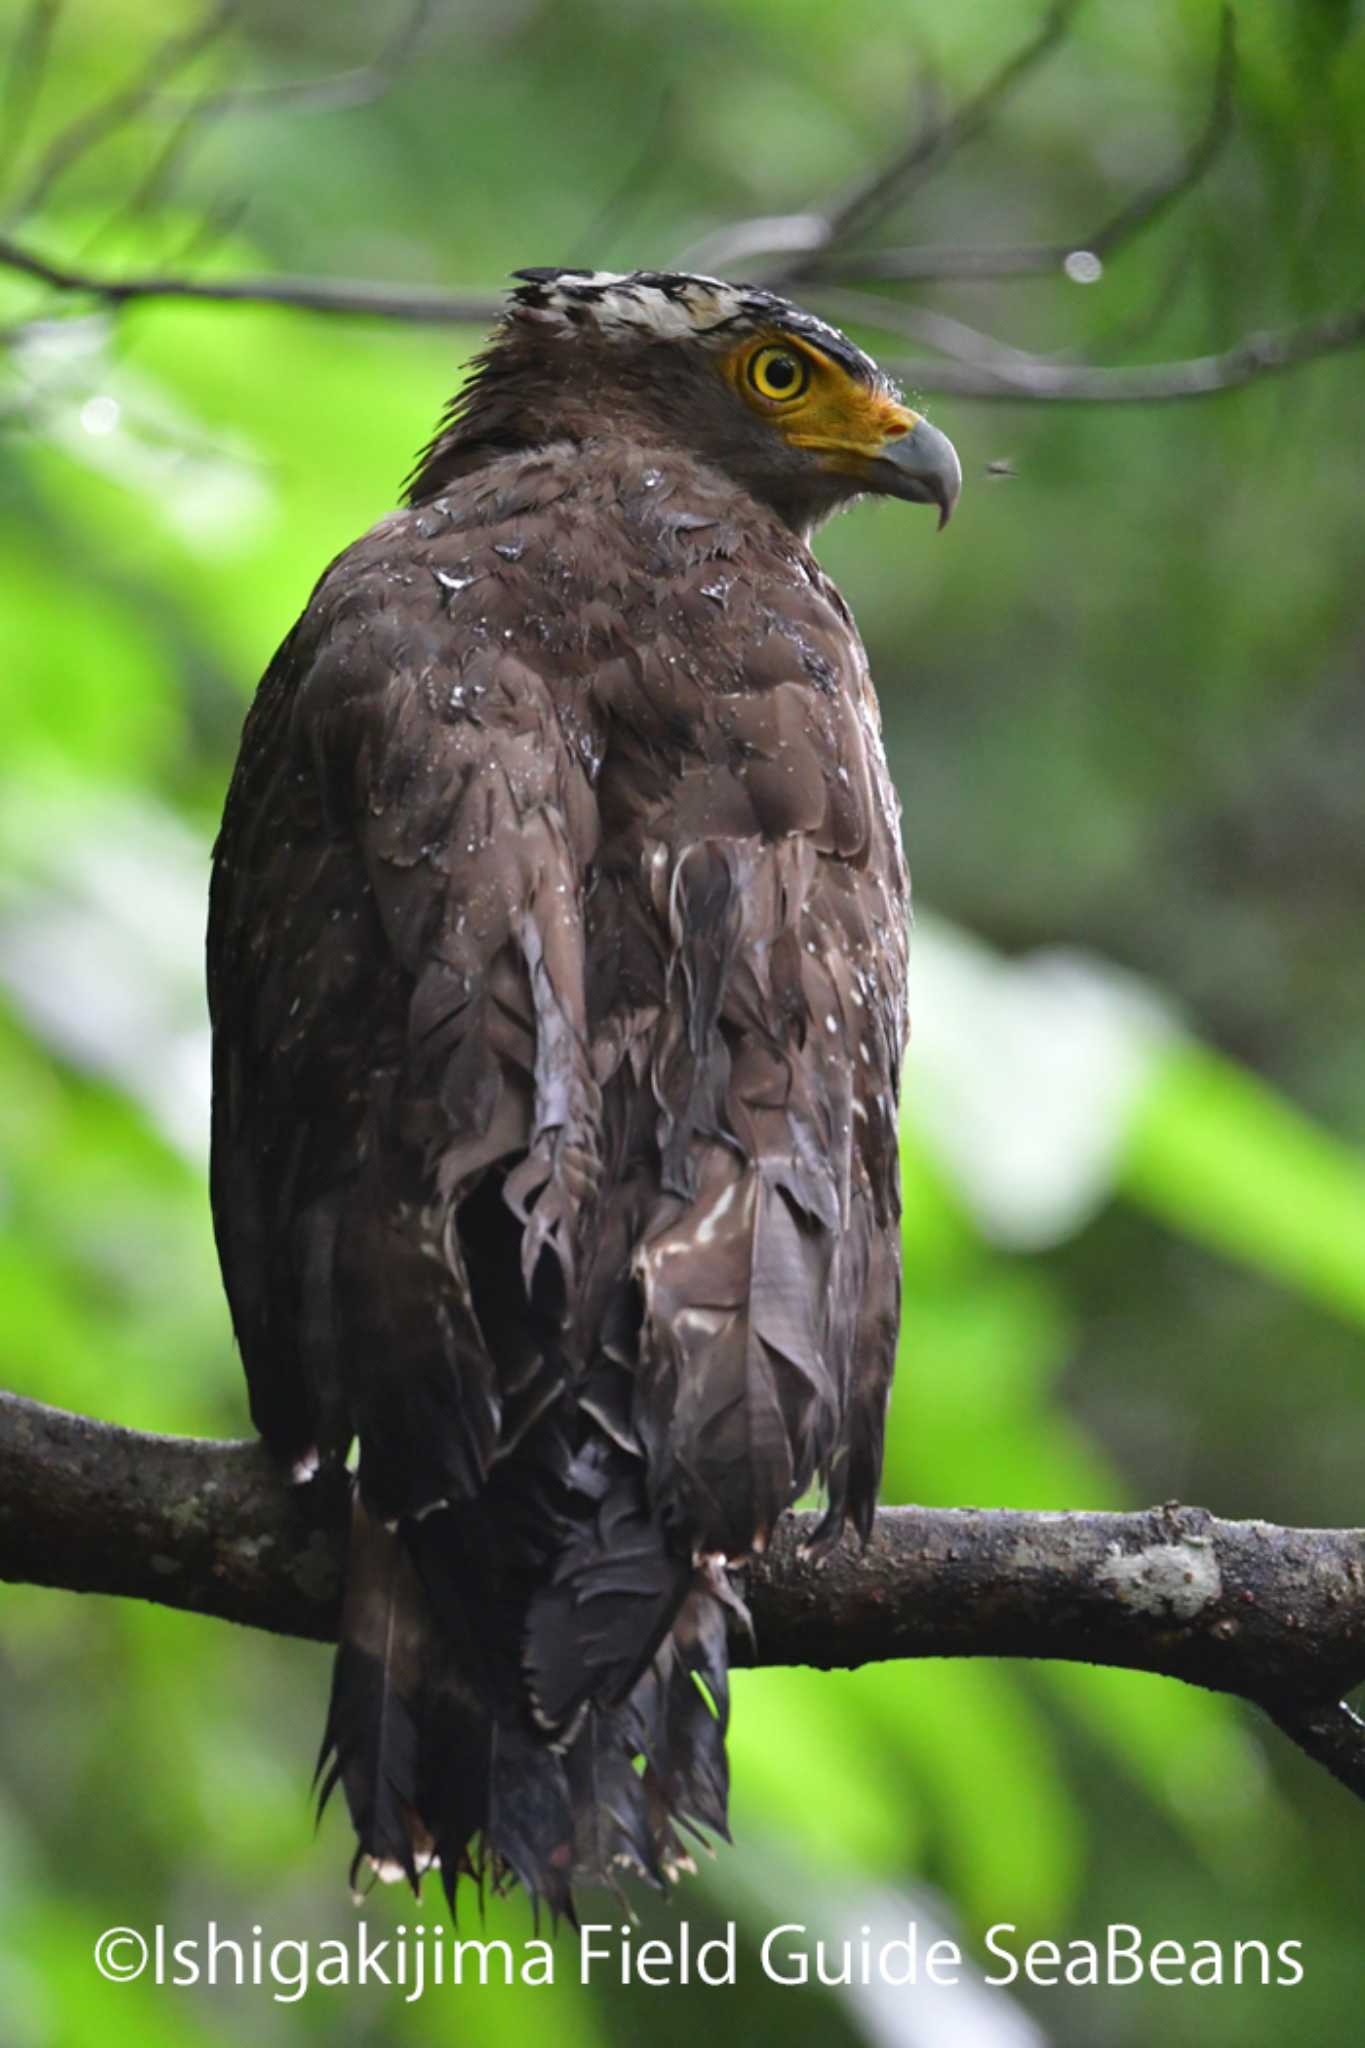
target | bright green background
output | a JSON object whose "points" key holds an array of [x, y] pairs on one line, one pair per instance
{"points": [[1124, 708]]}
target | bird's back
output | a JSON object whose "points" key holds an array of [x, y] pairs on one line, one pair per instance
{"points": [[557, 956]]}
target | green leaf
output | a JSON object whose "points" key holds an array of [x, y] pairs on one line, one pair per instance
{"points": [[1221, 1156]]}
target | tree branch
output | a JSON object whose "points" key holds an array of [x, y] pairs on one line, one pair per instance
{"points": [[1268, 354], [969, 364], [1273, 1615], [310, 294], [990, 371], [937, 141], [962, 261], [339, 92], [817, 240], [28, 60], [97, 123]]}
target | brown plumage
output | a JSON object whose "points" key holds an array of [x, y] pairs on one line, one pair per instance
{"points": [[557, 970]]}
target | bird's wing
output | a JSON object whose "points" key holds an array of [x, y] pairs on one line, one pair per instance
{"points": [[751, 910], [404, 1121]]}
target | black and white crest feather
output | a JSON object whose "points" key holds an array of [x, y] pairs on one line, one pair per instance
{"points": [[671, 305]]}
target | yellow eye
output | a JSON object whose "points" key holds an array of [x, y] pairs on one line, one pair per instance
{"points": [[779, 374]]}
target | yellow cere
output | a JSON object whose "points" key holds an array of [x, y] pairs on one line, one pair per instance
{"points": [[812, 400]]}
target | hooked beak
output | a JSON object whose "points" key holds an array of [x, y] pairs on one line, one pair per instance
{"points": [[921, 466]]}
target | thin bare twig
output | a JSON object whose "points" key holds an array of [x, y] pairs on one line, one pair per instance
{"points": [[157, 184], [1267, 354], [1040, 259], [806, 238], [819, 245], [314, 295], [731, 250], [219, 218], [922, 324], [97, 123], [1133, 329], [971, 364], [878, 195], [952, 262], [631, 188], [970, 345], [339, 92], [1148, 205], [195, 115], [1010, 374], [24, 78]]}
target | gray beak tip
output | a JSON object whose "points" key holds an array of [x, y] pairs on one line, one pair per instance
{"points": [[924, 468]]}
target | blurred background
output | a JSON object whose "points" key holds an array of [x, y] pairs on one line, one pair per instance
{"points": [[1124, 708]]}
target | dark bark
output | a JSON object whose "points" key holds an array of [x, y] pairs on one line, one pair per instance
{"points": [[1274, 1615]]}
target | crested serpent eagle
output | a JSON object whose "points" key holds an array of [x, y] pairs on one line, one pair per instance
{"points": [[557, 972]]}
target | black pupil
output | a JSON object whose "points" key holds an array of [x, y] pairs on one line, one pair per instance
{"points": [[780, 373]]}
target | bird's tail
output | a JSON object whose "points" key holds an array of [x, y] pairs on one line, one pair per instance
{"points": [[556, 1728]]}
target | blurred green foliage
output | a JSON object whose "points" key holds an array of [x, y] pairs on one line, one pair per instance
{"points": [[1124, 708]]}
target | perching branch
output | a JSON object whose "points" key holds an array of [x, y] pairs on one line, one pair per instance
{"points": [[1275, 1616]]}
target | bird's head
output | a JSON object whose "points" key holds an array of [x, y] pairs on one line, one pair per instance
{"points": [[741, 379]]}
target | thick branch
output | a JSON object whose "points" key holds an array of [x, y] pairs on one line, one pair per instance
{"points": [[1274, 1615], [1333, 1735]]}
